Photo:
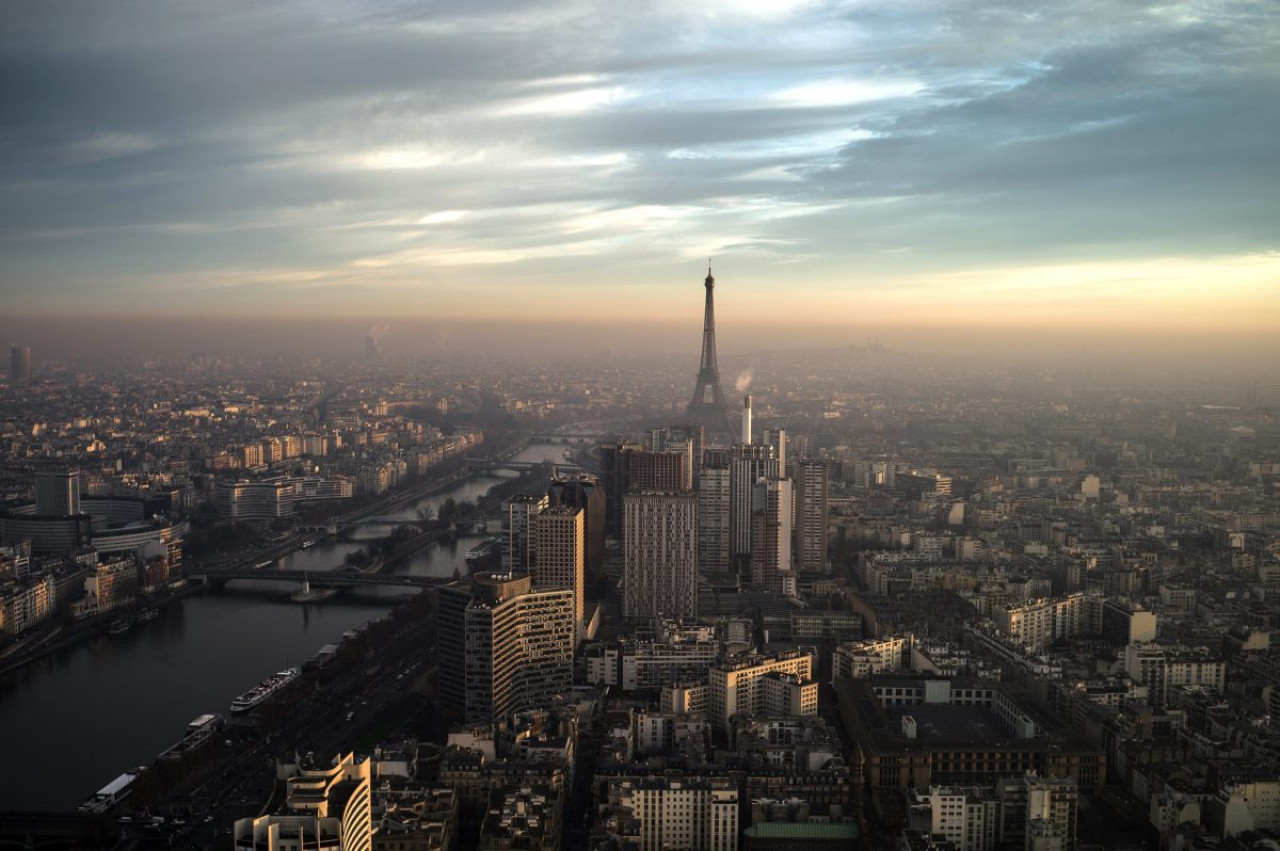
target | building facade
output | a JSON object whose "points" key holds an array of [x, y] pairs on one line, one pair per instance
{"points": [[504, 646], [660, 555]]}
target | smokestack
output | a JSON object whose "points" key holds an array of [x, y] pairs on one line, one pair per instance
{"points": [[746, 420]]}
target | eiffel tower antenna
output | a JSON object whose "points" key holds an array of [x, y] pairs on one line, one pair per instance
{"points": [[707, 407]]}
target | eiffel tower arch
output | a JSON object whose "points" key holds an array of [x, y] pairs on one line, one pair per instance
{"points": [[707, 408]]}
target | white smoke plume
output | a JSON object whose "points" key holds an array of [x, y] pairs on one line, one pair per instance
{"points": [[743, 384]]}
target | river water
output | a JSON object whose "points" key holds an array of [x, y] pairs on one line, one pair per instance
{"points": [[71, 722]]}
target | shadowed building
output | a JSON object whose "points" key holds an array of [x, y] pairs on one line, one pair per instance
{"points": [[584, 491]]}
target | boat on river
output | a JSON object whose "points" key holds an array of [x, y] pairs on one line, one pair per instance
{"points": [[264, 690], [485, 555]]}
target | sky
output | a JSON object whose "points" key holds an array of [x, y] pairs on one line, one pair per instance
{"points": [[945, 163]]}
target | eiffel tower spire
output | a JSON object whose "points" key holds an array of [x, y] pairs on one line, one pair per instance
{"points": [[708, 408]]}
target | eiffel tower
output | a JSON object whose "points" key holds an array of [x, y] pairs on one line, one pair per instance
{"points": [[708, 408]]}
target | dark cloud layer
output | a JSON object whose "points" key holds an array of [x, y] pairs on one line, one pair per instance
{"points": [[196, 156]]}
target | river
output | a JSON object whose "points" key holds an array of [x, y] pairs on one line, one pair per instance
{"points": [[72, 721]]}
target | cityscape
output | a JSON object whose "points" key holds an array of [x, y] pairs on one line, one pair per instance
{"points": [[850, 599], [801, 425]]}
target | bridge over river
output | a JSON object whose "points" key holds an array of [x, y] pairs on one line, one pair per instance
{"points": [[321, 579]]}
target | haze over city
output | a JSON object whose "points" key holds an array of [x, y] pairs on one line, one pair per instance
{"points": [[743, 425], [854, 167]]}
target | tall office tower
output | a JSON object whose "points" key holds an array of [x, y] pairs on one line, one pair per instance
{"points": [[519, 540], [707, 407], [20, 364], [561, 555], [371, 350], [812, 485], [660, 471], [771, 536], [660, 555], [504, 647], [614, 465], [750, 464], [713, 517], [57, 493], [582, 490]]}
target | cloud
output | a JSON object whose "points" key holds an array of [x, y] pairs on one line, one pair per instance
{"points": [[851, 144]]}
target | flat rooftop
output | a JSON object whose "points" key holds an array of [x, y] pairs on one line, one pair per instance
{"points": [[944, 723]]}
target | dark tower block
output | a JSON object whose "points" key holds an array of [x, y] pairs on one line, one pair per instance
{"points": [[708, 408]]}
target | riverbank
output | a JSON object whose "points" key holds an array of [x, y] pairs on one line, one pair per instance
{"points": [[66, 636], [118, 701]]}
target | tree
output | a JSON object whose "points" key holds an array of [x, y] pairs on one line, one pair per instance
{"points": [[448, 510]]}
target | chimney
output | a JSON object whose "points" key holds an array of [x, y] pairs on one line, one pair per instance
{"points": [[746, 419]]}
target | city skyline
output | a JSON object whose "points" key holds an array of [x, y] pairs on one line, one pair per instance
{"points": [[955, 165]]}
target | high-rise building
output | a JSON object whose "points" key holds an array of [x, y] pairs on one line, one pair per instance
{"points": [[660, 471], [660, 555], [20, 364], [812, 486], [771, 536], [57, 493], [750, 464], [615, 460], [582, 490], [679, 438], [504, 646], [713, 518], [519, 538], [707, 407], [561, 555]]}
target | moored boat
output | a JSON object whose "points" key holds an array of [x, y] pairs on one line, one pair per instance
{"points": [[264, 689]]}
